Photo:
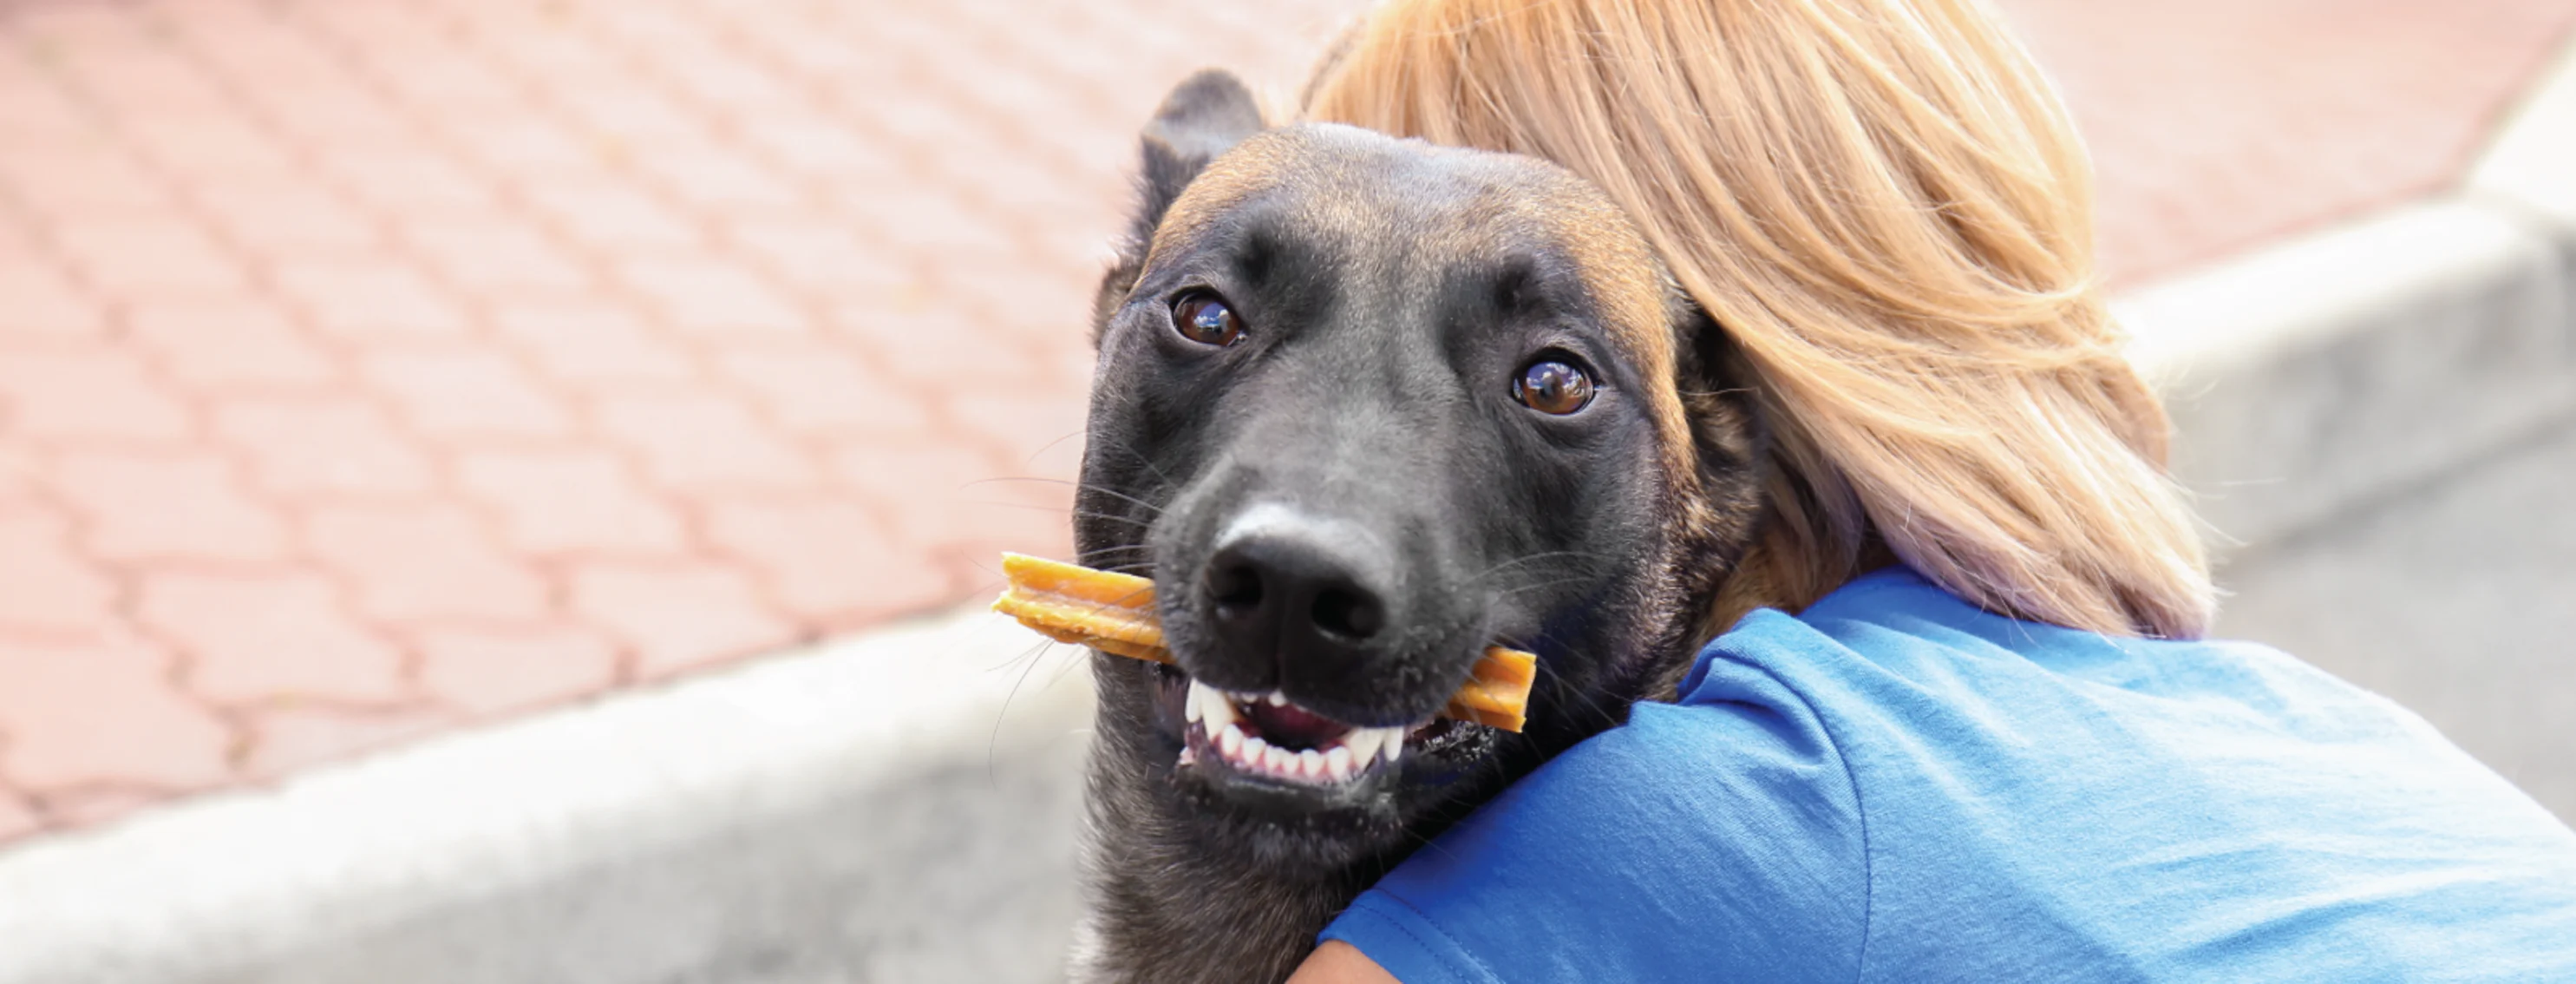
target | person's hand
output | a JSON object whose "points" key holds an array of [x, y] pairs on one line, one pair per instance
{"points": [[1337, 962]]}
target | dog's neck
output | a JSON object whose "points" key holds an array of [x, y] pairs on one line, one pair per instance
{"points": [[1241, 920]]}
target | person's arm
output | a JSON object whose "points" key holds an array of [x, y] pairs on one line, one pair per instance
{"points": [[1337, 962], [1716, 840]]}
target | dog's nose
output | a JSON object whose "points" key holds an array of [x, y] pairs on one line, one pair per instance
{"points": [[1307, 598]]}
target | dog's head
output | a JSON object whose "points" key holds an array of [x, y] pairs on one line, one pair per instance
{"points": [[1363, 408]]}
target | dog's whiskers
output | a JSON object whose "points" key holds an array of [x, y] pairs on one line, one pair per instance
{"points": [[1540, 585], [1084, 513], [1529, 558], [1105, 441], [1081, 486]]}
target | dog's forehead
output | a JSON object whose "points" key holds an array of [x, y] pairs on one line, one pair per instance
{"points": [[1339, 183]]}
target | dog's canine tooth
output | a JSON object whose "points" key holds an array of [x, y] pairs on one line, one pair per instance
{"points": [[1369, 744], [1211, 705], [1394, 748], [1230, 741], [1361, 743]]}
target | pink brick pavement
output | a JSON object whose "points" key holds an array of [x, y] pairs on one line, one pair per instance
{"points": [[370, 367]]}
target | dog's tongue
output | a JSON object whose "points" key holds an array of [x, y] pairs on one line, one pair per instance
{"points": [[1293, 727]]}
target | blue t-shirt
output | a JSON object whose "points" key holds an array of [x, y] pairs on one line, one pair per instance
{"points": [[1896, 786]]}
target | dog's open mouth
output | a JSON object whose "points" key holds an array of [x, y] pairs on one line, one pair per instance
{"points": [[1270, 737]]}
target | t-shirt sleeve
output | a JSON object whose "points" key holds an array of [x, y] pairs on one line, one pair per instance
{"points": [[1712, 841]]}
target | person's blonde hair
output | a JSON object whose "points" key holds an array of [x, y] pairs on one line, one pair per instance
{"points": [[1884, 206]]}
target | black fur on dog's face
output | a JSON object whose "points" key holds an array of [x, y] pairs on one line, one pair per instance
{"points": [[1363, 408]]}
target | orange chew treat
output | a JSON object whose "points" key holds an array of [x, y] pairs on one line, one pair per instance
{"points": [[1114, 613]]}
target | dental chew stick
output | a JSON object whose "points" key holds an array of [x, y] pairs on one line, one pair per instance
{"points": [[1114, 613]]}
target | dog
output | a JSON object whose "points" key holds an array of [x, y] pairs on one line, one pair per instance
{"points": [[1363, 407]]}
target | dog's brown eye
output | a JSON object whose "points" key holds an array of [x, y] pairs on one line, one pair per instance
{"points": [[1204, 319], [1552, 387]]}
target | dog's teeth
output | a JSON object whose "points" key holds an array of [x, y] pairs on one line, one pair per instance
{"points": [[1189, 756], [1364, 743], [1211, 705], [1279, 761], [1310, 763], [1361, 743], [1277, 699], [1394, 748], [1337, 763], [1190, 707], [1230, 741], [1255, 750]]}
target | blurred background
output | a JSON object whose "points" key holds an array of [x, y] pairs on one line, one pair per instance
{"points": [[378, 374]]}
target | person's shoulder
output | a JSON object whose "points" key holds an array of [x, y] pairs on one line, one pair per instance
{"points": [[1887, 625]]}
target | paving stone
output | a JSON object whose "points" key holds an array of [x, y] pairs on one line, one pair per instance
{"points": [[227, 344], [285, 739], [700, 442], [589, 344], [494, 259], [720, 183], [80, 175], [284, 213], [188, 506], [488, 671], [369, 298], [952, 341], [713, 298], [610, 218], [571, 502], [147, 257], [93, 804], [827, 560], [87, 392], [465, 393], [301, 446], [46, 586], [252, 638], [826, 389], [679, 617], [959, 500], [1021, 421], [17, 816], [199, 145], [36, 109], [2270, 130], [102, 710], [414, 562], [818, 256], [409, 182]]}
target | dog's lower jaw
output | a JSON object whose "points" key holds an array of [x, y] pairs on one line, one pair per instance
{"points": [[1164, 912]]}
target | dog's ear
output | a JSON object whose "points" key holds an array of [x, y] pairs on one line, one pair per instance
{"points": [[1716, 385], [1206, 115]]}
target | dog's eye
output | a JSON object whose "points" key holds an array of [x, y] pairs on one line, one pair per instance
{"points": [[1552, 387], [1203, 318]]}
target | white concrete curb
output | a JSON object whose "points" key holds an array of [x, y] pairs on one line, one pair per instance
{"points": [[2343, 365], [681, 833], [855, 813]]}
